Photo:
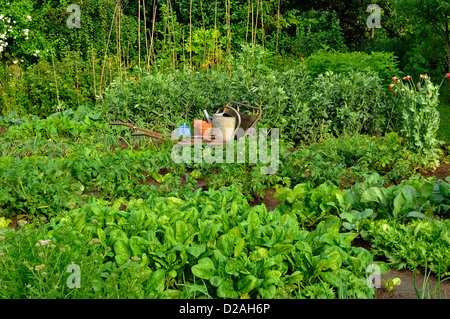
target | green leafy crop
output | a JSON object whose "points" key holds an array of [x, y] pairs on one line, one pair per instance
{"points": [[415, 245], [213, 244]]}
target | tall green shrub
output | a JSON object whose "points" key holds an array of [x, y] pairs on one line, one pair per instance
{"points": [[13, 95], [309, 31], [383, 63], [304, 108]]}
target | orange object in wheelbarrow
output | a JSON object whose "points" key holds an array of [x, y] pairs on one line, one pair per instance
{"points": [[202, 128]]}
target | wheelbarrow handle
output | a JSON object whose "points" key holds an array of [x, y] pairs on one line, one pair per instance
{"points": [[246, 105], [150, 135], [136, 128]]}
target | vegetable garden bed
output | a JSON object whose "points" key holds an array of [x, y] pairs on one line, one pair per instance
{"points": [[138, 225]]}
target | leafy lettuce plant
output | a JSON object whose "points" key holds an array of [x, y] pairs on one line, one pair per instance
{"points": [[414, 245], [213, 244], [391, 283], [36, 185], [4, 222], [309, 205], [409, 199], [441, 196]]}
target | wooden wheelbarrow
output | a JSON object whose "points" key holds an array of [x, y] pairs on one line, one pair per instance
{"points": [[244, 122]]}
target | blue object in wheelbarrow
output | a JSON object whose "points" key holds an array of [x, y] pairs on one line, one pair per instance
{"points": [[184, 130]]}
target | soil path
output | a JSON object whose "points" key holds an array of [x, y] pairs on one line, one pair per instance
{"points": [[406, 288]]}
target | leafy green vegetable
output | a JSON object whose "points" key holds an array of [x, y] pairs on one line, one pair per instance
{"points": [[391, 283], [197, 242], [421, 242]]}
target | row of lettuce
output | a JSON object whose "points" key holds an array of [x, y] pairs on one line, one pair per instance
{"points": [[213, 244]]}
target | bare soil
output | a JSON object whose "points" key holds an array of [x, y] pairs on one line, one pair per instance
{"points": [[440, 173], [269, 200], [406, 288]]}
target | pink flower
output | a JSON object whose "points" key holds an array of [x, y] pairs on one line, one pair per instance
{"points": [[448, 75]]}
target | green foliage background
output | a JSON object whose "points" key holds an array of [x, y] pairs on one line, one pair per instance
{"points": [[202, 34]]}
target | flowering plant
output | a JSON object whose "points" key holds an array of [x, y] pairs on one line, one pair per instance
{"points": [[416, 105], [37, 261], [17, 38]]}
